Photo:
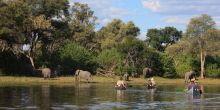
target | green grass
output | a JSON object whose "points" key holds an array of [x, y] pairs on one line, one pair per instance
{"points": [[11, 80]]}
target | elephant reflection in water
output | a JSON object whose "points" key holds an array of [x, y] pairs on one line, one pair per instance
{"points": [[83, 89], [45, 104]]}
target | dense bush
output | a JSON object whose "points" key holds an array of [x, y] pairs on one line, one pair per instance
{"points": [[110, 60], [185, 63], [168, 67], [152, 59], [73, 56], [212, 67]]}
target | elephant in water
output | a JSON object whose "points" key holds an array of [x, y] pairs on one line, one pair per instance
{"points": [[147, 72], [83, 75], [189, 75], [46, 73]]}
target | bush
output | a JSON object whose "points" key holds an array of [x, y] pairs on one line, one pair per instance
{"points": [[110, 59], [185, 63], [212, 70], [75, 57], [168, 67]]}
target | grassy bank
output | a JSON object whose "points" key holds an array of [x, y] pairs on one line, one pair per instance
{"points": [[8, 80]]}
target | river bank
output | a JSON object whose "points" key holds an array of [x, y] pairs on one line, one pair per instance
{"points": [[12, 80]]}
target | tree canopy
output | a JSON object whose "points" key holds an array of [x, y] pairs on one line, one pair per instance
{"points": [[48, 33]]}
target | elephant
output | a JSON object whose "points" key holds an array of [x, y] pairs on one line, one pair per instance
{"points": [[83, 75], [147, 72], [135, 75], [126, 77], [189, 75], [46, 73]]}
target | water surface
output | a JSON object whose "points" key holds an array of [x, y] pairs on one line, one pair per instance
{"points": [[105, 97]]}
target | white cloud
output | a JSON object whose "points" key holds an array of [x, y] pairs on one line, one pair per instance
{"points": [[183, 7], [176, 20], [181, 11], [153, 5]]}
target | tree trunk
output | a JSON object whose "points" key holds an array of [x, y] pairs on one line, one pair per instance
{"points": [[202, 58], [32, 62], [29, 55]]}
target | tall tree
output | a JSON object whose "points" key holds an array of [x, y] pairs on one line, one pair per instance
{"points": [[82, 25], [115, 31], [122, 36], [161, 38], [198, 30]]}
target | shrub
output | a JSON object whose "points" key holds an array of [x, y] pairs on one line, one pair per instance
{"points": [[75, 57], [110, 60], [168, 67], [212, 70]]}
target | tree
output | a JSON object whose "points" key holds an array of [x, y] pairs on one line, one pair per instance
{"points": [[161, 38], [198, 30], [114, 33], [29, 24], [183, 57], [109, 35], [82, 25], [109, 60]]}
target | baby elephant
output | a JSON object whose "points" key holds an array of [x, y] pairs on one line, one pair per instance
{"points": [[83, 75]]}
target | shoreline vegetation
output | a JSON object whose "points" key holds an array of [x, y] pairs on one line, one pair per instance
{"points": [[68, 80]]}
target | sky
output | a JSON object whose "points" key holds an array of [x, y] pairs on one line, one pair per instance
{"points": [[147, 14]]}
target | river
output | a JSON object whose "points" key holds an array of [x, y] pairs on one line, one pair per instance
{"points": [[104, 97]]}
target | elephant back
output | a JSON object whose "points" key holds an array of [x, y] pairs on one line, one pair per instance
{"points": [[189, 75], [83, 75], [46, 72]]}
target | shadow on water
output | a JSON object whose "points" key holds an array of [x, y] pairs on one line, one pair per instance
{"points": [[95, 96]]}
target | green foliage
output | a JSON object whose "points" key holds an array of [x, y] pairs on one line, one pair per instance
{"points": [[132, 51], [185, 63], [152, 59], [168, 67], [213, 70], [75, 57], [115, 32], [199, 25], [82, 25], [161, 38], [201, 31], [213, 66], [110, 60]]}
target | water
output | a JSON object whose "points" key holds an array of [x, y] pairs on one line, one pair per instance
{"points": [[105, 97]]}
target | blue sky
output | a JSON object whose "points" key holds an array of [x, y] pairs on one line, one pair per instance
{"points": [[148, 14]]}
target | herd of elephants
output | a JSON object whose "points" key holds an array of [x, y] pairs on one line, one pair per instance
{"points": [[87, 76]]}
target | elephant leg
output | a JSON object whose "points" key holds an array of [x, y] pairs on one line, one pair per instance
{"points": [[45, 77], [49, 77]]}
